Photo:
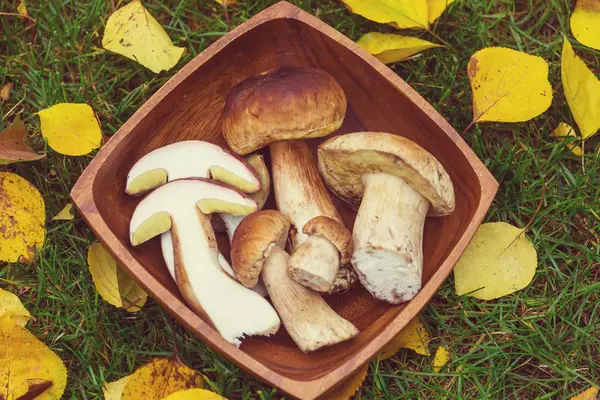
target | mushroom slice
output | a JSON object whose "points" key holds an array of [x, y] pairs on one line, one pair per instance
{"points": [[190, 159], [257, 247], [234, 310], [397, 181]]}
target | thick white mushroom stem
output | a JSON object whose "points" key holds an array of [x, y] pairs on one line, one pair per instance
{"points": [[309, 320], [388, 238], [315, 263]]}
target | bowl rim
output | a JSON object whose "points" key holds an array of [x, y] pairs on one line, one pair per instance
{"points": [[82, 196]]}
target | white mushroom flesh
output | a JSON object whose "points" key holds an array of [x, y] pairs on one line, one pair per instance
{"points": [[314, 263]]}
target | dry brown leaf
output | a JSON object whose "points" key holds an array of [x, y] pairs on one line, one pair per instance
{"points": [[13, 144], [5, 91]]}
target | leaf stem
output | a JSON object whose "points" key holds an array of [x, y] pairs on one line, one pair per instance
{"points": [[435, 35], [18, 16], [542, 197], [468, 127]]}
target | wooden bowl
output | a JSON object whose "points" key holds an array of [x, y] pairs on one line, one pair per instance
{"points": [[189, 107]]}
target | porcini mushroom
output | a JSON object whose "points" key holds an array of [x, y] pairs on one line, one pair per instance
{"points": [[258, 249], [399, 182], [181, 207], [272, 109], [190, 159]]}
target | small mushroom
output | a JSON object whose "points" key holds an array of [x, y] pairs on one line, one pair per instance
{"points": [[181, 207], [398, 182], [258, 249]]}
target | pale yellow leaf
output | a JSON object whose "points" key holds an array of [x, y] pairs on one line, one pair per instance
{"points": [[588, 394], [66, 214], [498, 261], [5, 91], [508, 85], [582, 90], [22, 8], [347, 389], [194, 394], [564, 130], [134, 33], [441, 358], [11, 306], [160, 378], [436, 8], [414, 336], [13, 144], [22, 219], [389, 48], [112, 283], [27, 366], [400, 13], [114, 390], [585, 23], [71, 129], [226, 2]]}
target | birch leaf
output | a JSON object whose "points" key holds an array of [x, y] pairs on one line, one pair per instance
{"points": [[436, 8], [588, 394], [13, 144], [400, 13], [414, 336], [389, 48], [66, 214], [563, 131], [11, 306], [22, 8], [194, 394], [347, 389], [114, 390], [226, 3], [441, 358], [585, 23]]}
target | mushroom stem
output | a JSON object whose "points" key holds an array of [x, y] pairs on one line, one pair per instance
{"points": [[314, 264], [388, 238], [309, 320]]}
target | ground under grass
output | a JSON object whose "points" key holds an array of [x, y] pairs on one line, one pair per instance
{"points": [[542, 342]]}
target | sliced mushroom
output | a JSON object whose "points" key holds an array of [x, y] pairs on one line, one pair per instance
{"points": [[257, 249], [272, 109], [397, 181], [180, 206], [190, 159]]}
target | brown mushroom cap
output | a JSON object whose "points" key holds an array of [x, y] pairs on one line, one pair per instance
{"points": [[344, 159], [335, 232], [251, 240], [280, 104]]}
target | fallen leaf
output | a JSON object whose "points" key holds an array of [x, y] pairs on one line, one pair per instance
{"points": [[414, 336], [27, 365], [66, 214], [436, 8], [564, 130], [11, 306], [582, 90], [22, 8], [194, 394], [498, 261], [347, 389], [22, 219], [389, 48], [588, 394], [13, 144], [71, 129], [112, 283], [160, 378], [114, 390], [441, 358], [134, 33], [226, 3], [585, 23], [400, 13], [508, 85], [5, 91]]}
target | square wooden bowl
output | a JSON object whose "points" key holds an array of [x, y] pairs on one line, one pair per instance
{"points": [[189, 107]]}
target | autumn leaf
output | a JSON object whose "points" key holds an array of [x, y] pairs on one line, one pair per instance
{"points": [[112, 283], [134, 33], [22, 8], [436, 8], [563, 131], [27, 366], [11, 306], [227, 3], [498, 261], [66, 214], [13, 144], [582, 90], [5, 91], [347, 389], [414, 336], [194, 394], [114, 390], [585, 23], [441, 358], [508, 85], [71, 129], [588, 394], [22, 219], [400, 13], [389, 48]]}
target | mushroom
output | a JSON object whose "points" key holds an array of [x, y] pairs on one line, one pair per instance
{"points": [[258, 249], [181, 207], [272, 109], [190, 159], [399, 182]]}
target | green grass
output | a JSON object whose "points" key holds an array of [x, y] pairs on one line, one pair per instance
{"points": [[541, 342]]}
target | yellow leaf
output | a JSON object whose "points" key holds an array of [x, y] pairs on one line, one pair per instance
{"points": [[508, 85], [27, 365], [13, 144], [564, 130], [194, 394], [5, 91], [22, 219], [389, 48], [441, 358], [159, 378], [498, 261], [585, 23], [11, 306], [588, 394], [66, 214], [22, 8], [114, 390], [113, 284], [582, 90], [436, 8], [400, 13], [134, 33], [226, 2], [414, 336], [347, 389], [71, 129]]}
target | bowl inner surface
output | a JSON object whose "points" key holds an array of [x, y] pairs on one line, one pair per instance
{"points": [[192, 111]]}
